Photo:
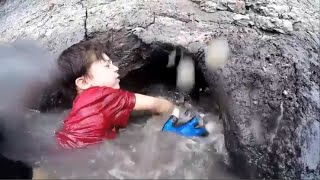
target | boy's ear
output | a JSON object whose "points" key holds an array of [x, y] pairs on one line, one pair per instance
{"points": [[82, 84]]}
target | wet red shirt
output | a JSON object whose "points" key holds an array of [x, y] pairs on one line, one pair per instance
{"points": [[96, 115]]}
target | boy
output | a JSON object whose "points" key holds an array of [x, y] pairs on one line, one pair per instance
{"points": [[100, 107]]}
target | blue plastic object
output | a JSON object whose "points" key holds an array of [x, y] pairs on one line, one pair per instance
{"points": [[187, 129]]}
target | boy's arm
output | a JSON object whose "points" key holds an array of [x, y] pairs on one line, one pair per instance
{"points": [[155, 105]]}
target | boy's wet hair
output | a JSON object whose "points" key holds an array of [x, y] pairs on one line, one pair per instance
{"points": [[73, 63]]}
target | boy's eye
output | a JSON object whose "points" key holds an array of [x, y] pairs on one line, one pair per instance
{"points": [[108, 64]]}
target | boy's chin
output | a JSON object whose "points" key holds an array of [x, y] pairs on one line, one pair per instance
{"points": [[117, 86]]}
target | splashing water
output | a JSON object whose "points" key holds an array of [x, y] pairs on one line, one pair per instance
{"points": [[140, 151]]}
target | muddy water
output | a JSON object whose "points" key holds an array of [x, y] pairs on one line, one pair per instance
{"points": [[140, 151]]}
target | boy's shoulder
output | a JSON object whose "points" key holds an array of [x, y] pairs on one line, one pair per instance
{"points": [[97, 90], [97, 97], [96, 93]]}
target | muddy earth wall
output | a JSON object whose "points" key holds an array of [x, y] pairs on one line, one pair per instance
{"points": [[268, 90]]}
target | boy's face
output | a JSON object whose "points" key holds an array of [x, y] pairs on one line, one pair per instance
{"points": [[103, 73]]}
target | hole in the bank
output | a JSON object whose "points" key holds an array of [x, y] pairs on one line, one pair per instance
{"points": [[155, 78], [155, 74]]}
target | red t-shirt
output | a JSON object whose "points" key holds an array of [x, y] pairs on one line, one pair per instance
{"points": [[96, 115]]}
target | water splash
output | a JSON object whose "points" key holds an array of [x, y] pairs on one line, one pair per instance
{"points": [[140, 151]]}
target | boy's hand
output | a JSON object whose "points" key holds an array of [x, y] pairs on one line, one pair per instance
{"points": [[188, 129]]}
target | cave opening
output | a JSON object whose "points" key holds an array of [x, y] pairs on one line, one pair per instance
{"points": [[157, 79]]}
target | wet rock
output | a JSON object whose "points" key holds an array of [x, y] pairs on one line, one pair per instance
{"points": [[274, 24], [274, 10], [268, 133], [236, 6], [210, 6], [243, 20], [222, 5], [41, 20]]}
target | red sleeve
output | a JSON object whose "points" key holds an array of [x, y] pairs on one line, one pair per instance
{"points": [[119, 105]]}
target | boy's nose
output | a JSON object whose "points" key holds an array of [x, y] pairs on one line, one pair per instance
{"points": [[115, 68]]}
